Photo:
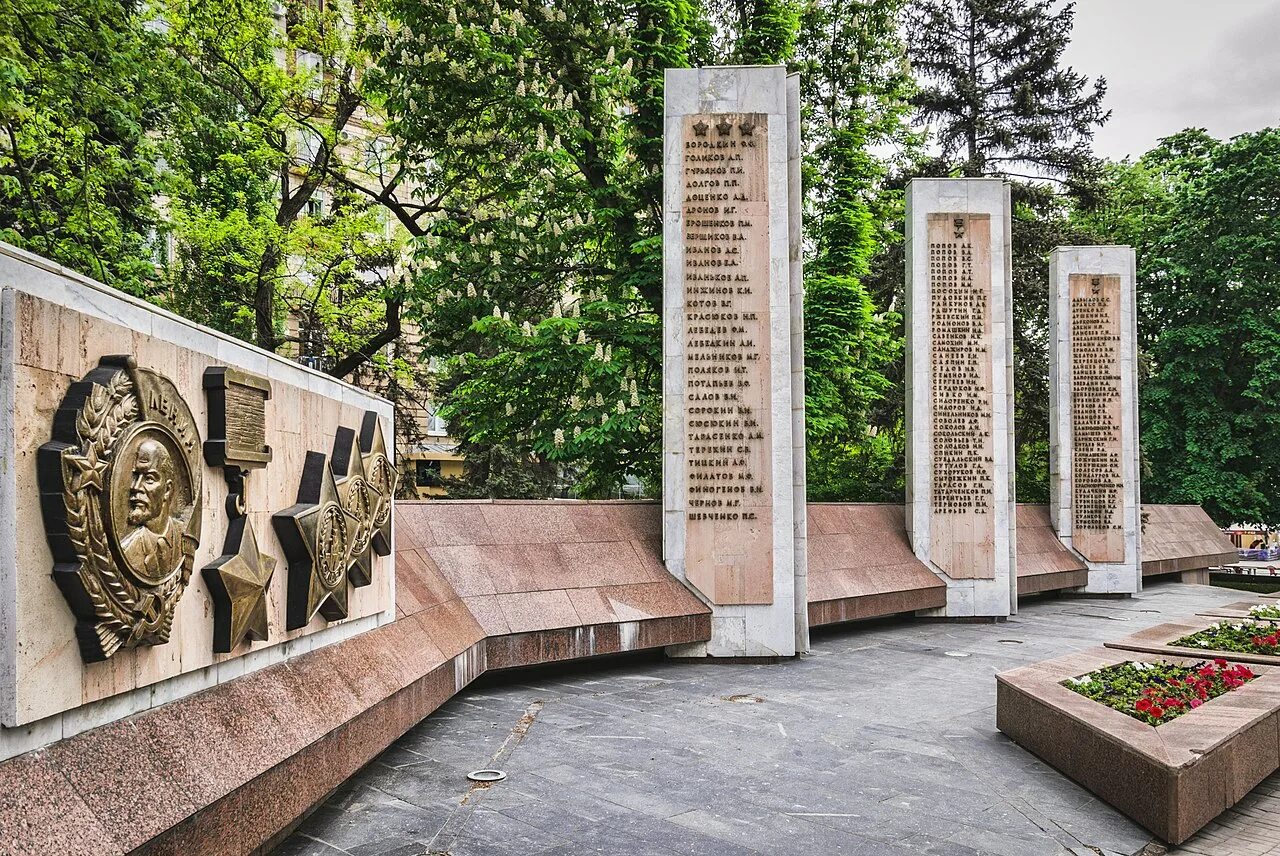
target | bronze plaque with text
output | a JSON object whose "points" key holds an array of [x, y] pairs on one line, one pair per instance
{"points": [[728, 443], [1097, 479], [963, 502]]}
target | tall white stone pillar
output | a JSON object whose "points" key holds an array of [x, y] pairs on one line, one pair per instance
{"points": [[960, 473], [731, 433], [1094, 490]]}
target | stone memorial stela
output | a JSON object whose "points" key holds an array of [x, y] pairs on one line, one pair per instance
{"points": [[725, 204], [963, 527], [1097, 502]]}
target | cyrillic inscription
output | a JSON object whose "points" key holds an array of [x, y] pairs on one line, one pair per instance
{"points": [[963, 522], [728, 517], [1097, 497]]}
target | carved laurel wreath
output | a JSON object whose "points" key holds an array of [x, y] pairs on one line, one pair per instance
{"points": [[126, 614]]}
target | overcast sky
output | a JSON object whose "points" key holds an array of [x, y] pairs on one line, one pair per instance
{"points": [[1173, 64]]}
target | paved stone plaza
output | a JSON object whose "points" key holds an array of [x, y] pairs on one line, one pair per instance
{"points": [[882, 741]]}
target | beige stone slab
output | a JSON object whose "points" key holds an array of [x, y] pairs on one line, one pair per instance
{"points": [[1097, 418], [726, 337], [963, 533], [56, 347]]}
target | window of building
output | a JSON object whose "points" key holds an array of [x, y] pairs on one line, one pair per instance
{"points": [[315, 205], [429, 474], [311, 66], [436, 426]]}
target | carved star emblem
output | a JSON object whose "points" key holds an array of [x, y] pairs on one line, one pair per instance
{"points": [[723, 127], [88, 473], [358, 498], [700, 128], [746, 128], [317, 534], [238, 582], [382, 476]]}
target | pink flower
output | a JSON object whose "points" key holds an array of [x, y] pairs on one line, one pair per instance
{"points": [[1195, 702]]}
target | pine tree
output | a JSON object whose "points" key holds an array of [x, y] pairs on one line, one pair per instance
{"points": [[995, 89], [1001, 103]]}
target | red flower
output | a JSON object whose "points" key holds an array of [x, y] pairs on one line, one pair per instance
{"points": [[1219, 662], [1257, 641], [1144, 704], [1174, 682], [1157, 712], [1245, 672]]}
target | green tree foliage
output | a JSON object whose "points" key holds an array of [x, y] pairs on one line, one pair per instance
{"points": [[993, 85], [755, 32], [1203, 216], [81, 85], [539, 218], [855, 87], [1001, 103], [272, 247]]}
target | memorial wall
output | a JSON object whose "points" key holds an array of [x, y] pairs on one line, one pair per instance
{"points": [[1094, 492], [176, 508], [960, 492], [730, 443]]}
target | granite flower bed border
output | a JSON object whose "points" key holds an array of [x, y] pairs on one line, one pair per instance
{"points": [[1171, 779], [1155, 640], [1237, 610]]}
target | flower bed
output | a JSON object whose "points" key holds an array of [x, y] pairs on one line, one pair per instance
{"points": [[1265, 612], [1156, 693], [1172, 779], [1243, 637]]}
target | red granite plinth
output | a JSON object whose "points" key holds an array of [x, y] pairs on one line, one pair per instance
{"points": [[1044, 563], [1172, 779]]}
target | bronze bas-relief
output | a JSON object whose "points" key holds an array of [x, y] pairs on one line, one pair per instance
{"points": [[238, 582], [383, 477], [360, 500], [120, 485], [239, 578], [318, 536]]}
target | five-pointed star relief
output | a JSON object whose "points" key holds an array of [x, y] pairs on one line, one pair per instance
{"points": [[317, 534], [238, 582], [357, 497], [382, 477]]}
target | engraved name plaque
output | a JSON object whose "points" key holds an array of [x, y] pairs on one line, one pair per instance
{"points": [[1096, 419], [963, 464], [728, 442], [237, 419]]}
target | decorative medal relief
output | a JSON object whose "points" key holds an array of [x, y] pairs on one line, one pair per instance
{"points": [[121, 485], [342, 517]]}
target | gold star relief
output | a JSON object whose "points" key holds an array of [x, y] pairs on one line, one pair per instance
{"points": [[238, 582], [700, 128], [382, 477], [317, 534], [724, 126], [357, 497]]}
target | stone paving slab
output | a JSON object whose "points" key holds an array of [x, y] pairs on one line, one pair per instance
{"points": [[881, 743]]}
